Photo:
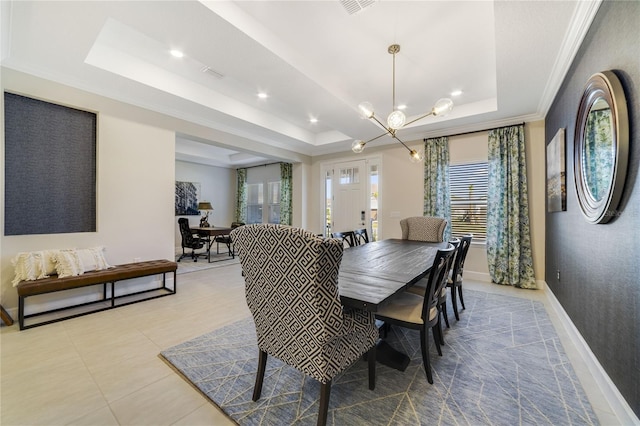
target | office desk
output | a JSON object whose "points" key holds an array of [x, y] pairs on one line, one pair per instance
{"points": [[212, 232], [371, 274]]}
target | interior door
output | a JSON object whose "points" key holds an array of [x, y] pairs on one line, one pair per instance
{"points": [[350, 196]]}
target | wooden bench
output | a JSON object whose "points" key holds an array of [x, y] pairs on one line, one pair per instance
{"points": [[106, 278]]}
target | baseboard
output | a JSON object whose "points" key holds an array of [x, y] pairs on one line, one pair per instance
{"points": [[478, 276], [618, 404]]}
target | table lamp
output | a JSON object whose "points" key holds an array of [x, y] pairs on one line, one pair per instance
{"points": [[206, 207]]}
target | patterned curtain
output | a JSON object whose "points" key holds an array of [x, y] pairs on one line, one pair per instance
{"points": [[508, 234], [285, 193], [241, 196], [598, 161], [437, 199]]}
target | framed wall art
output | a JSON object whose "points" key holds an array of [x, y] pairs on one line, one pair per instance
{"points": [[187, 196]]}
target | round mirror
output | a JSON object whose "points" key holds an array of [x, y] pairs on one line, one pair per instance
{"points": [[601, 147]]}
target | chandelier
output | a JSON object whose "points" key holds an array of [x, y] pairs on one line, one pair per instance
{"points": [[397, 119]]}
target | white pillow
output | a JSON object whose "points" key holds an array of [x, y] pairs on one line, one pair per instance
{"points": [[30, 266], [78, 261]]}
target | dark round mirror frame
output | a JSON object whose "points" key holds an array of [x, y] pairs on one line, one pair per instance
{"points": [[605, 85]]}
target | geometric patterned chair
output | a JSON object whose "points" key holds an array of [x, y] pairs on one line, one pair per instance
{"points": [[421, 312], [423, 228], [291, 287], [455, 278]]}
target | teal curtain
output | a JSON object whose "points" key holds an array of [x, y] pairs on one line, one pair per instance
{"points": [[241, 196], [285, 193], [598, 158], [437, 197], [508, 234]]}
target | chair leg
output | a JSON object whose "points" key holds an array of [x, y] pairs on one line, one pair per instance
{"points": [[437, 337], [424, 344], [371, 358], [443, 309], [461, 298], [325, 393], [454, 302], [262, 363]]}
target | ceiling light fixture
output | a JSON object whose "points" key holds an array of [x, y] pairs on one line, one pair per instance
{"points": [[263, 95], [397, 119], [176, 53]]}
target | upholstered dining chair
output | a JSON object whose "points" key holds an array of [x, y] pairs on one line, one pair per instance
{"points": [[291, 287], [423, 228], [189, 241], [360, 236], [421, 312], [455, 278], [346, 237]]}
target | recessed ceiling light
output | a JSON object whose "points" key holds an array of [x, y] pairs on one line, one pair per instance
{"points": [[401, 106], [456, 93], [313, 120], [263, 95], [176, 53]]}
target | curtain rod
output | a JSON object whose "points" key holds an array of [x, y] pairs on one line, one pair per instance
{"points": [[478, 131], [260, 165]]}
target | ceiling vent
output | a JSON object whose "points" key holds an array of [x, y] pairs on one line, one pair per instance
{"points": [[355, 6], [212, 72]]}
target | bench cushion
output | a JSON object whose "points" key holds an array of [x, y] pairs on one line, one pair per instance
{"points": [[115, 273]]}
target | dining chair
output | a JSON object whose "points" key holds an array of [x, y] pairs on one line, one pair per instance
{"points": [[291, 288], [455, 278], [226, 239], [360, 236], [189, 241], [421, 312], [346, 237], [423, 228]]}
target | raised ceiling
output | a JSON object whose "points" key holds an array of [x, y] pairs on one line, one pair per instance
{"points": [[314, 59]]}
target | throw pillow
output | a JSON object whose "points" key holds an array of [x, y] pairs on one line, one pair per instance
{"points": [[68, 263]]}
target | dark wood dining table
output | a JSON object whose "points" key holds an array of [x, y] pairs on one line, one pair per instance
{"points": [[371, 274], [209, 232]]}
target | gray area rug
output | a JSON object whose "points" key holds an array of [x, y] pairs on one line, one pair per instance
{"points": [[187, 265], [502, 364]]}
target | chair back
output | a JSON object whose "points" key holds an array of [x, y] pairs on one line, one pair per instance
{"points": [[291, 287], [360, 236], [423, 228], [346, 237], [461, 255], [234, 225], [438, 275], [185, 231]]}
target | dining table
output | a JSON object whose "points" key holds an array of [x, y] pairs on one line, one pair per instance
{"points": [[371, 274]]}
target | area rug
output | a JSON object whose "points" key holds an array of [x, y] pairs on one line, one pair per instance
{"points": [[217, 260], [502, 364]]}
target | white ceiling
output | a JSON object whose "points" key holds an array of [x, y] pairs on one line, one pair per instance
{"points": [[312, 58]]}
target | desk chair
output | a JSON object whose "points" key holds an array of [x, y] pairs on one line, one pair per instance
{"points": [[291, 286], [423, 228], [189, 241], [360, 236], [421, 313]]}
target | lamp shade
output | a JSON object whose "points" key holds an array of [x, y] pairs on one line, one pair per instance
{"points": [[205, 205]]}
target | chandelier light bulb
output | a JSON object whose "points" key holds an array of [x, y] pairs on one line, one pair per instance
{"points": [[357, 146], [396, 120], [442, 107], [366, 109], [416, 156]]}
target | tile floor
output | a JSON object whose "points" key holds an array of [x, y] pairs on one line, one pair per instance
{"points": [[104, 369]]}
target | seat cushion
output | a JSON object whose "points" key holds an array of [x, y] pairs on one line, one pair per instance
{"points": [[406, 307]]}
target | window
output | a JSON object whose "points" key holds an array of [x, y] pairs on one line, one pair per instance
{"points": [[274, 201], [254, 202], [469, 184]]}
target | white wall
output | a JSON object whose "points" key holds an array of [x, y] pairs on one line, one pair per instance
{"points": [[217, 185], [135, 185]]}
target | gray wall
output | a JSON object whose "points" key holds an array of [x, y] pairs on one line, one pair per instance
{"points": [[599, 265]]}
